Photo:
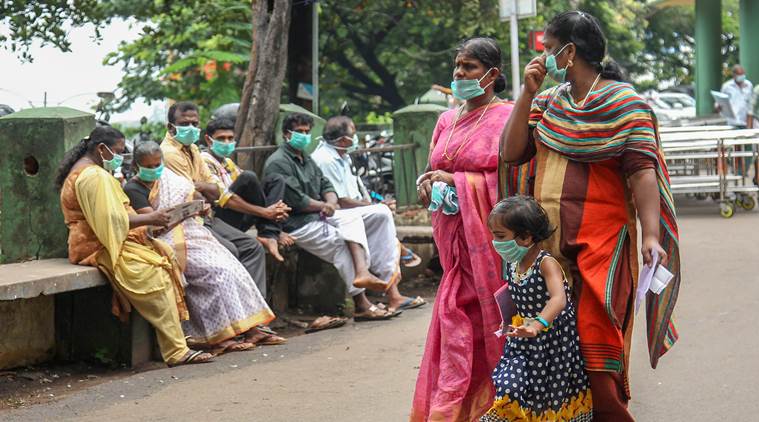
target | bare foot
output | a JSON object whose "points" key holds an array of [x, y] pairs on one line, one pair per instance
{"points": [[272, 247], [370, 282], [395, 302], [286, 240]]}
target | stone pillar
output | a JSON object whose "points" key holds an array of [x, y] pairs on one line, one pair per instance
{"points": [[33, 142], [413, 124], [749, 55], [708, 56]]}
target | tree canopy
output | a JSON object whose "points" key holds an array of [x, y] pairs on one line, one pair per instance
{"points": [[377, 54]]}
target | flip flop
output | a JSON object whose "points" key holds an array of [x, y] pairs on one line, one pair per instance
{"points": [[411, 260], [237, 346], [194, 357], [373, 314], [266, 329], [413, 303], [325, 323]]}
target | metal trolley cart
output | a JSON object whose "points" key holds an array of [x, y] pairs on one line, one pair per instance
{"points": [[713, 163]]}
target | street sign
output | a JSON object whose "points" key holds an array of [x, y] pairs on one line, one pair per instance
{"points": [[522, 8], [535, 41]]}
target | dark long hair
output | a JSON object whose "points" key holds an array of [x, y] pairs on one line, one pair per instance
{"points": [[524, 216], [100, 135], [584, 31], [487, 51]]}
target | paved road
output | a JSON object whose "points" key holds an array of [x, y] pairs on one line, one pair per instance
{"points": [[366, 372]]}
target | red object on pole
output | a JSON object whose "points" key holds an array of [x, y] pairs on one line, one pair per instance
{"points": [[535, 41]]}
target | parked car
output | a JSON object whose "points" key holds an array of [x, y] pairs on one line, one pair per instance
{"points": [[671, 106]]}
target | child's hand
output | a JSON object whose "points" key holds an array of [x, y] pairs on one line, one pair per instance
{"points": [[527, 331]]}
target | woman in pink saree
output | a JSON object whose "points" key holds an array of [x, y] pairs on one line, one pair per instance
{"points": [[454, 378]]}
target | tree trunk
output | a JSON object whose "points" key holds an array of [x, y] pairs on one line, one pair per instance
{"points": [[259, 104]]}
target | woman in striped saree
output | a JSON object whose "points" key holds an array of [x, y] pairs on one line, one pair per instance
{"points": [[593, 148]]}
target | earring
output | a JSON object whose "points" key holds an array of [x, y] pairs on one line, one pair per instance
{"points": [[570, 63]]}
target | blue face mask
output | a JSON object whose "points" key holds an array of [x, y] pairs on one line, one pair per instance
{"points": [[510, 250], [114, 163], [224, 149], [299, 141], [187, 135], [150, 175], [740, 79], [466, 89], [552, 70]]}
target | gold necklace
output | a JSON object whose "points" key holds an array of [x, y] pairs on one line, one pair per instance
{"points": [[466, 140], [592, 87]]}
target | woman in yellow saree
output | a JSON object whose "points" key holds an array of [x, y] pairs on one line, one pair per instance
{"points": [[106, 233]]}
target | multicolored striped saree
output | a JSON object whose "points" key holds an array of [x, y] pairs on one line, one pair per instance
{"points": [[582, 156]]}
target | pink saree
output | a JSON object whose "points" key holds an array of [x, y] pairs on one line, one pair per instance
{"points": [[454, 378]]}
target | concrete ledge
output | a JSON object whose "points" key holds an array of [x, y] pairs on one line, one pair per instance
{"points": [[46, 277], [414, 234]]}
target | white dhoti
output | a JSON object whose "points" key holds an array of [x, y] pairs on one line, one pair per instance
{"points": [[371, 226]]}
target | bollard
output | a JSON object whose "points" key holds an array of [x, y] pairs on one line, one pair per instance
{"points": [[34, 142]]}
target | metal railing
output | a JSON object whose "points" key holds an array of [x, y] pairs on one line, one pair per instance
{"points": [[388, 172]]}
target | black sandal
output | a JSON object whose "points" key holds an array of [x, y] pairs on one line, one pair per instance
{"points": [[194, 357]]}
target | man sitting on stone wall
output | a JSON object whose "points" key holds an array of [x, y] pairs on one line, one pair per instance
{"points": [[246, 201], [333, 157], [350, 243], [182, 156]]}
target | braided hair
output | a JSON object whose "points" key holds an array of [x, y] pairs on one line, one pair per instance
{"points": [[100, 135]]}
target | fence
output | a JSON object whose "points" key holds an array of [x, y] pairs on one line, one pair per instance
{"points": [[388, 172]]}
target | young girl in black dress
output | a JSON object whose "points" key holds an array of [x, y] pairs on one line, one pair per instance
{"points": [[540, 376]]}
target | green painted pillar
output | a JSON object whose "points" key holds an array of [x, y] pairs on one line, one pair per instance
{"points": [[412, 125], [749, 53], [33, 142], [708, 53]]}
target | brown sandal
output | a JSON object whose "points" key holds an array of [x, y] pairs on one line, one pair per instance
{"points": [[236, 346], [325, 323], [373, 314], [261, 338]]}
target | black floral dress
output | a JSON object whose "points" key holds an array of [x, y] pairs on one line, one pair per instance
{"points": [[540, 378]]}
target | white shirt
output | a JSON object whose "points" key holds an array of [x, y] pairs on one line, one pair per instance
{"points": [[338, 169], [740, 100]]}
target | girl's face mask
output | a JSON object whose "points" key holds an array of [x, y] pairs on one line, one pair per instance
{"points": [[510, 250]]}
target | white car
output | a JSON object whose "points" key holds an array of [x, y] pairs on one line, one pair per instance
{"points": [[672, 106]]}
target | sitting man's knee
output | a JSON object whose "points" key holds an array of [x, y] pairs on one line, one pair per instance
{"points": [[274, 178], [248, 176]]}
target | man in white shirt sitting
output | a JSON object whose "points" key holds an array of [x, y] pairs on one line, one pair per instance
{"points": [[333, 158]]}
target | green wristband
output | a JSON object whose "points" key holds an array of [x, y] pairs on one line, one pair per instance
{"points": [[545, 323]]}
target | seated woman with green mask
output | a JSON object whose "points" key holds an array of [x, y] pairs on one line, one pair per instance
{"points": [[223, 300]]}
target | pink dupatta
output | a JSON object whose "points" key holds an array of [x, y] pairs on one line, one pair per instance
{"points": [[454, 378]]}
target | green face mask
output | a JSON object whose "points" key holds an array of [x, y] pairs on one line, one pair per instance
{"points": [[510, 251], [150, 175], [114, 163], [558, 75], [299, 141], [187, 135], [466, 89], [224, 149]]}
